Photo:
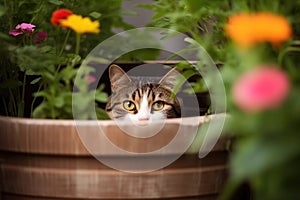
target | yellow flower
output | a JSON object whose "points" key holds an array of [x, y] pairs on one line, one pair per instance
{"points": [[81, 24], [247, 29]]}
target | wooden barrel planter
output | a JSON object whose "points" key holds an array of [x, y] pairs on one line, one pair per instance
{"points": [[47, 160]]}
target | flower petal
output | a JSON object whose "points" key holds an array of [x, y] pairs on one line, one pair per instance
{"points": [[81, 24], [15, 32], [60, 15], [26, 27], [248, 29], [261, 88]]}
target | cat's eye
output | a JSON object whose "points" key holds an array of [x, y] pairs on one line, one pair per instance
{"points": [[158, 105], [129, 105]]}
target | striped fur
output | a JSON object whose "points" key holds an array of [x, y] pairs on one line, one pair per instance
{"points": [[146, 96]]}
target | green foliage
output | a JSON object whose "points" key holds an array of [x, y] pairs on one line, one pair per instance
{"points": [[202, 20], [49, 68], [266, 151], [38, 12]]}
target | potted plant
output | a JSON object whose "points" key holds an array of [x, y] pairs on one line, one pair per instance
{"points": [[46, 154], [256, 44]]}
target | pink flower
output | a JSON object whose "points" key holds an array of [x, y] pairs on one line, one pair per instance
{"points": [[90, 79], [26, 27], [262, 88], [15, 32], [22, 28]]}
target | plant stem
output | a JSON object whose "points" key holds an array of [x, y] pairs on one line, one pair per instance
{"points": [[77, 43], [5, 106], [38, 11], [10, 105], [286, 51], [14, 107], [21, 106], [33, 101], [52, 102], [65, 42], [52, 112]]}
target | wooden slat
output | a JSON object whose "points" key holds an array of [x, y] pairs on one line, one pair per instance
{"points": [[87, 178], [43, 159]]}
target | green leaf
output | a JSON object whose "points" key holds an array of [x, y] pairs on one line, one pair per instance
{"points": [[74, 59], [56, 2], [49, 76], [101, 97], [101, 114], [181, 80], [95, 15], [128, 12], [42, 94], [259, 154], [5, 37], [46, 49], [41, 111], [59, 101], [2, 10], [81, 102], [35, 81], [194, 5], [101, 87], [91, 59], [145, 6], [67, 74]]}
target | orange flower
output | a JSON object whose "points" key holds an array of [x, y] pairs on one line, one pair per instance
{"points": [[247, 29]]}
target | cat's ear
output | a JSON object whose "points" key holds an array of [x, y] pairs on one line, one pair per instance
{"points": [[169, 80], [117, 77]]}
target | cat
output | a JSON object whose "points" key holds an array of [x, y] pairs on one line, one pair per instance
{"points": [[140, 98]]}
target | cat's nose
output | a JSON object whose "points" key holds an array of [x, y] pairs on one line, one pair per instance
{"points": [[144, 118]]}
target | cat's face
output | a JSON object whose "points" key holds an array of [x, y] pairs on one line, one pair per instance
{"points": [[137, 99]]}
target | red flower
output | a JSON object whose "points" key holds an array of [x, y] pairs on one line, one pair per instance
{"points": [[261, 88], [60, 15], [40, 37]]}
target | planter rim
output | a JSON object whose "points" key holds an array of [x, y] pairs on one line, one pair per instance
{"points": [[193, 120], [70, 137]]}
